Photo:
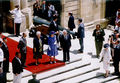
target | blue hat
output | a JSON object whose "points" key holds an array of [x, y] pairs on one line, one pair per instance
{"points": [[106, 45], [52, 33]]}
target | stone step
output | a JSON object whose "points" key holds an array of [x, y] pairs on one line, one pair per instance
{"points": [[87, 72], [111, 79], [114, 81], [10, 75], [70, 74], [99, 78], [61, 70], [27, 73]]}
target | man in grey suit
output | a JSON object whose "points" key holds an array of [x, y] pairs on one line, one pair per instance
{"points": [[22, 46], [34, 80], [81, 35]]}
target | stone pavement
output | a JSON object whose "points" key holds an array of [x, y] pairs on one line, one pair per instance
{"points": [[81, 68]]}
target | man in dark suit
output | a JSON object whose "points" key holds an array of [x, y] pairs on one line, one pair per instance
{"points": [[2, 74], [54, 27], [71, 24], [36, 8], [81, 35], [6, 55], [116, 58], [34, 80], [17, 68], [23, 48], [6, 58], [66, 44]]}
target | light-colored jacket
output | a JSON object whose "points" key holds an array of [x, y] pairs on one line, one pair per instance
{"points": [[1, 55], [18, 15]]}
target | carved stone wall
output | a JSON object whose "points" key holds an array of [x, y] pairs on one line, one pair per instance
{"points": [[88, 10]]}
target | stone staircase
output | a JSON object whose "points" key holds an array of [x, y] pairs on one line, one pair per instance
{"points": [[82, 68]]}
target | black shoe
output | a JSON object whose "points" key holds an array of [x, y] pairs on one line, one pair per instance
{"points": [[80, 51], [116, 73], [16, 35], [59, 48], [68, 60], [19, 35], [24, 66], [8, 71], [64, 61]]}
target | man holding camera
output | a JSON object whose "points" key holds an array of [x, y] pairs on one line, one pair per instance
{"points": [[99, 38]]}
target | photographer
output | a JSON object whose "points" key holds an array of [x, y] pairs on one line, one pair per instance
{"points": [[112, 39], [99, 34], [116, 57]]}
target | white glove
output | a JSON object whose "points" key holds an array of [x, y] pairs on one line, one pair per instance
{"points": [[49, 48], [55, 42]]}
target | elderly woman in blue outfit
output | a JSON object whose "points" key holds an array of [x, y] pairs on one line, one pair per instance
{"points": [[52, 47]]}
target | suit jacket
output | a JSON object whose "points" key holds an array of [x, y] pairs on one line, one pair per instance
{"points": [[71, 23], [6, 55], [5, 51], [53, 27], [36, 45], [33, 81], [100, 36], [22, 45], [81, 31], [17, 66], [66, 43]]}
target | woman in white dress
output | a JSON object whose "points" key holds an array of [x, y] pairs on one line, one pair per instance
{"points": [[105, 55]]}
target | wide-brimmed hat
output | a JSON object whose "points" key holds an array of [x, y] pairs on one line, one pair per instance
{"points": [[106, 45], [52, 33]]}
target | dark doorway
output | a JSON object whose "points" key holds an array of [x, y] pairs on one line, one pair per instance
{"points": [[111, 8], [4, 10], [58, 7]]}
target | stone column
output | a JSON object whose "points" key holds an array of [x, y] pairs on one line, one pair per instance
{"points": [[63, 13], [13, 3], [27, 12], [79, 8], [24, 4]]}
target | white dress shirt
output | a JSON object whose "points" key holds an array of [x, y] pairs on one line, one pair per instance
{"points": [[18, 15], [1, 55]]}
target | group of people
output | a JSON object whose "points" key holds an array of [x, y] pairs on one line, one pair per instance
{"points": [[57, 41], [111, 50], [46, 11]]}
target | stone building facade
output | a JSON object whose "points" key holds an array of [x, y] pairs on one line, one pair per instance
{"points": [[92, 11]]}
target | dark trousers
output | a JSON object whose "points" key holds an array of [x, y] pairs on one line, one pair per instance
{"points": [[3, 78], [6, 66], [17, 28], [116, 65], [23, 58], [81, 44], [66, 56], [98, 45]]}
